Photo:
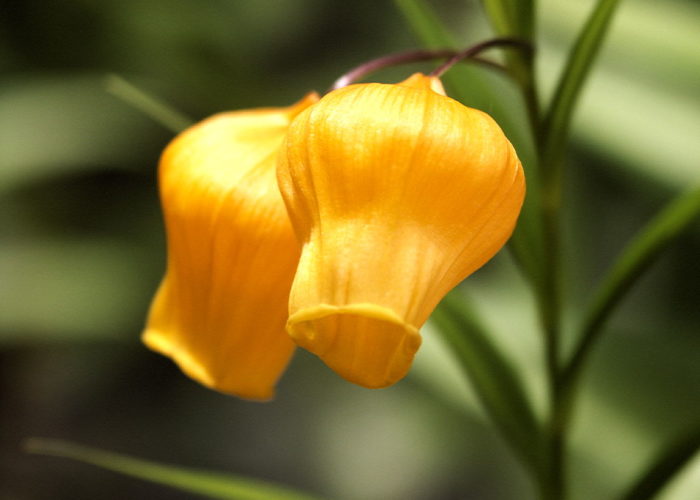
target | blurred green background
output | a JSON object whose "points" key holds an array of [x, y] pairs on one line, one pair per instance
{"points": [[82, 250]]}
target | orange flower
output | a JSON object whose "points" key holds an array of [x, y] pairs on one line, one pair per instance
{"points": [[221, 309], [397, 194]]}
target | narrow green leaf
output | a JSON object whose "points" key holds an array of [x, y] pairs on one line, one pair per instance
{"points": [[558, 118], [434, 35], [493, 377], [425, 23], [205, 483], [639, 254], [664, 467], [149, 105], [515, 18], [499, 15], [511, 17], [524, 15], [466, 83]]}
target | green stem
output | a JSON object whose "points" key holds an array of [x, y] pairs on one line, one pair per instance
{"points": [[532, 105], [553, 482], [550, 307], [552, 137], [548, 289]]}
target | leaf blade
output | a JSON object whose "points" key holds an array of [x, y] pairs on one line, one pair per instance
{"points": [[209, 484], [499, 14], [154, 108], [425, 23], [583, 54], [493, 377], [511, 17], [665, 465], [638, 256]]}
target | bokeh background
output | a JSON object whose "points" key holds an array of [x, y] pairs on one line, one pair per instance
{"points": [[82, 250]]}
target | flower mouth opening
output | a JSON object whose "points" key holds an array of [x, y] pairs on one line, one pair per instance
{"points": [[366, 344]]}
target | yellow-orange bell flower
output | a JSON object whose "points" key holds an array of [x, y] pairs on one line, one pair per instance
{"points": [[221, 309], [397, 193]]}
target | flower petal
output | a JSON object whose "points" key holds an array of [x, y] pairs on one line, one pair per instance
{"points": [[398, 193], [221, 308]]}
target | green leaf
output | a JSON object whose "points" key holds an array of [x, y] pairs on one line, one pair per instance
{"points": [[515, 18], [205, 483], [632, 70], [500, 15], [666, 465], [493, 377], [639, 254], [425, 23], [433, 34], [558, 119], [466, 83], [511, 17], [149, 105]]}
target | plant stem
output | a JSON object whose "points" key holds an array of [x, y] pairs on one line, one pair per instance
{"points": [[532, 104], [453, 56], [409, 56], [553, 482], [556, 443], [549, 301], [480, 47]]}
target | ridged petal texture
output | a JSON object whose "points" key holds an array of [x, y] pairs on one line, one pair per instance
{"points": [[221, 309], [398, 193]]}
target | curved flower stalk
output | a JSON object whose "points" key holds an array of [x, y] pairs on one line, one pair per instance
{"points": [[221, 309], [397, 193]]}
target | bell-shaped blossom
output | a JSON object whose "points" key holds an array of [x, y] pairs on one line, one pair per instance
{"points": [[397, 194], [221, 309]]}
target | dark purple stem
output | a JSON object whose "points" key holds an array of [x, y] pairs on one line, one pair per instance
{"points": [[472, 51], [391, 60], [426, 55]]}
